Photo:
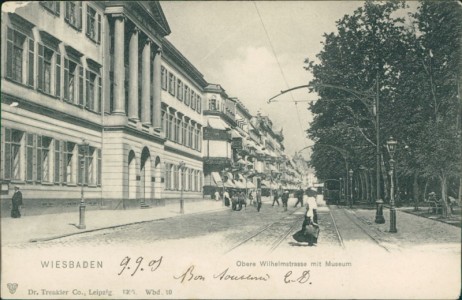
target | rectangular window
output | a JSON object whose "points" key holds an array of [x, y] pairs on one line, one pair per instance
{"points": [[58, 76], [47, 69], [170, 127], [177, 130], [171, 84], [90, 166], [163, 73], [71, 82], [167, 176], [183, 135], [81, 165], [93, 24], [20, 57], [73, 14], [57, 165], [43, 159], [93, 91], [186, 95], [199, 105], [52, 6], [190, 135], [163, 119], [12, 167], [179, 93], [193, 99], [68, 162]]}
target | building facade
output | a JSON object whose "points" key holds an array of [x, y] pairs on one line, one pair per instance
{"points": [[98, 105]]}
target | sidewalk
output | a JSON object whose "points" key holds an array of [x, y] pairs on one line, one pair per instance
{"points": [[413, 231], [50, 226]]}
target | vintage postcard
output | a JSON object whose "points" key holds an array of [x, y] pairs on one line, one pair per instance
{"points": [[231, 150]]}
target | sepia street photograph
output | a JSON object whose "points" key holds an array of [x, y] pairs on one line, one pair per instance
{"points": [[231, 149]]}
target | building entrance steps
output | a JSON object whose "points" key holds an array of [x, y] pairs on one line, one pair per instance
{"points": [[50, 226]]}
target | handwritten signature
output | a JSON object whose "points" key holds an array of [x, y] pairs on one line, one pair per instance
{"points": [[190, 275], [303, 278]]}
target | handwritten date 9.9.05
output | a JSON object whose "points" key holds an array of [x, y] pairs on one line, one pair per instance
{"points": [[139, 264]]}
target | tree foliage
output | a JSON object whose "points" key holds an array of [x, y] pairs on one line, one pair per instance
{"points": [[412, 65]]}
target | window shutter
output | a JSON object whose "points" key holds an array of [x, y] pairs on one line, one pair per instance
{"points": [[38, 159], [66, 78], [79, 3], [9, 53], [30, 63], [99, 28], [99, 102], [64, 161], [40, 67], [88, 104], [7, 154], [58, 75], [81, 98], [66, 13]]}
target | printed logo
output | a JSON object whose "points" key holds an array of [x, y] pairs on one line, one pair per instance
{"points": [[12, 287]]}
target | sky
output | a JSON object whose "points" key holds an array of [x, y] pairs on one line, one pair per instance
{"points": [[255, 58]]}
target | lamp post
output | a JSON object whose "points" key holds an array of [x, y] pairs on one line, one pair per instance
{"points": [[391, 147], [341, 191], [351, 187], [82, 206], [182, 164]]}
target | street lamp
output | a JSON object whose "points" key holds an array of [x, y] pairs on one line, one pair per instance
{"points": [[82, 206], [391, 147], [182, 164], [340, 196], [351, 187]]}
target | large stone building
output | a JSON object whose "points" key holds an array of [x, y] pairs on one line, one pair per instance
{"points": [[96, 102]]}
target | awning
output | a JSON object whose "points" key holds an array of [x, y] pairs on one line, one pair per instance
{"points": [[266, 183], [229, 184], [239, 184], [235, 134], [250, 185], [217, 178], [217, 123]]}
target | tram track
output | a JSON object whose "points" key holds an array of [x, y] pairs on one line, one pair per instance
{"points": [[358, 225], [275, 241]]}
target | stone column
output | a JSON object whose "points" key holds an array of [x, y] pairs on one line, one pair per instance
{"points": [[156, 122], [146, 84], [133, 77], [119, 69]]}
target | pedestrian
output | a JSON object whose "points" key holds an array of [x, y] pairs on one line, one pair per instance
{"points": [[311, 228], [217, 195], [299, 194], [16, 203], [276, 197], [241, 201], [258, 200], [311, 200], [251, 202], [226, 197], [234, 200], [285, 199]]}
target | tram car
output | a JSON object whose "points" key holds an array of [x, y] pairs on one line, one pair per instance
{"points": [[331, 191]]}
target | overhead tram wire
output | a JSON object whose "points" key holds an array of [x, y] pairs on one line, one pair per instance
{"points": [[280, 67]]}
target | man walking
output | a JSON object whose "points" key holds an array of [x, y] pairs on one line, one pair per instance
{"points": [[299, 197], [276, 197], [16, 203], [285, 199], [258, 200]]}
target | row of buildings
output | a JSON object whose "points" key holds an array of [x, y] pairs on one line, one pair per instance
{"points": [[95, 99]]}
